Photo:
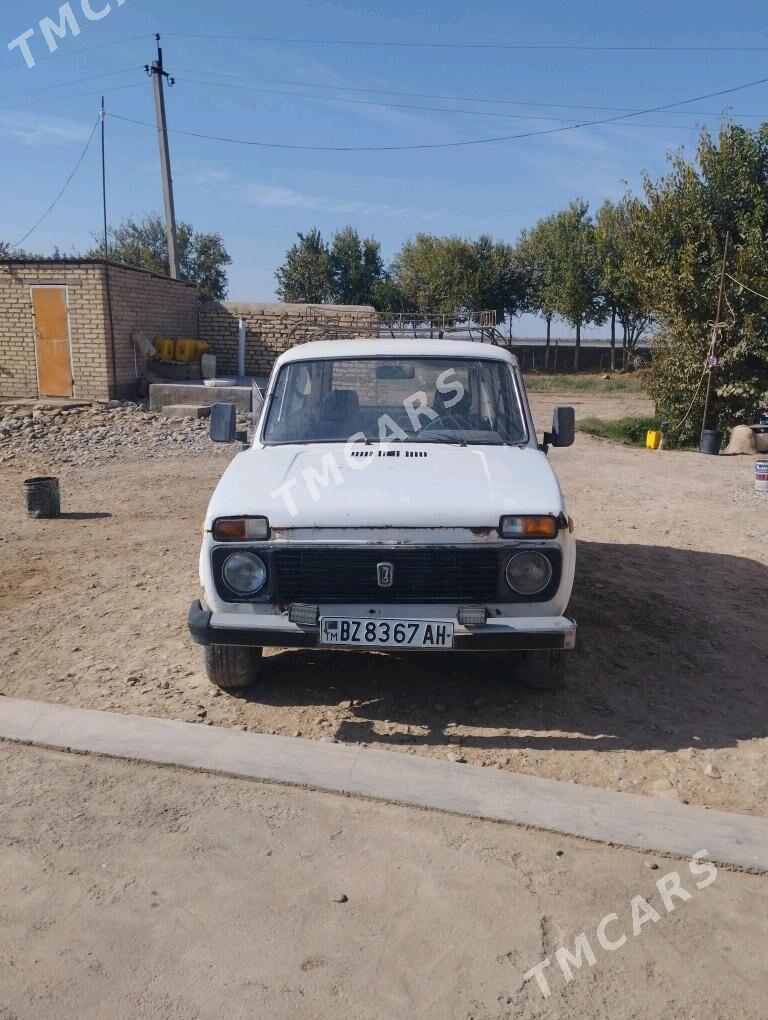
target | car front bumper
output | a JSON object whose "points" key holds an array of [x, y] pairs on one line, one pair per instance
{"points": [[518, 633]]}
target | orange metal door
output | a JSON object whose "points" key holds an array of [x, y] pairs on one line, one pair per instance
{"points": [[54, 362]]}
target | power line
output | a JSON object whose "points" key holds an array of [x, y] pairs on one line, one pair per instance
{"points": [[451, 145], [594, 47], [68, 181], [411, 106], [77, 95], [70, 55], [64, 84], [456, 99]]}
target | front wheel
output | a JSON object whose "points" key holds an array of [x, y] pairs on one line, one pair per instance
{"points": [[543, 671], [232, 667]]}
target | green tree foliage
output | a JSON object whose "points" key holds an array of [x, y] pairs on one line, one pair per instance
{"points": [[617, 245], [682, 237], [348, 272], [578, 297], [457, 276], [306, 275], [142, 243], [356, 267], [537, 263]]}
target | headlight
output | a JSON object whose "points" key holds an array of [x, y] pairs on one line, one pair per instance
{"points": [[528, 573], [244, 573]]}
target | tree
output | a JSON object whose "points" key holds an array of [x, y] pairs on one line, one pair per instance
{"points": [[682, 237], [617, 246], [143, 243], [458, 277], [537, 265], [307, 273], [356, 267], [577, 281]]}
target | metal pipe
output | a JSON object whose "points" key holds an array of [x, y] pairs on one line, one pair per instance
{"points": [[241, 347]]}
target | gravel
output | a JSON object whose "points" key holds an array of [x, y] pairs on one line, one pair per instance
{"points": [[91, 433]]}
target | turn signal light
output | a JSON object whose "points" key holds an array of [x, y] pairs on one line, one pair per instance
{"points": [[240, 529], [528, 527]]}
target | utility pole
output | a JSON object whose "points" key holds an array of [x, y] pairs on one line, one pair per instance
{"points": [[107, 281], [157, 74], [711, 360]]}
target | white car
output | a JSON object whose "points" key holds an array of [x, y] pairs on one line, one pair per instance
{"points": [[394, 496]]}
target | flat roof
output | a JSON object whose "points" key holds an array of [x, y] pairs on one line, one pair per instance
{"points": [[54, 263], [399, 347]]}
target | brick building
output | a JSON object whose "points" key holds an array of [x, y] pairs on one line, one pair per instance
{"points": [[56, 338], [272, 328]]}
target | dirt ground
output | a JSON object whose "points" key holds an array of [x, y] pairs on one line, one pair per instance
{"points": [[131, 891], [668, 692]]}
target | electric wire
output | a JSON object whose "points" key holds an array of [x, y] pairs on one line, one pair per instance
{"points": [[413, 106], [450, 99], [415, 44], [69, 55], [60, 195], [64, 84], [448, 145]]}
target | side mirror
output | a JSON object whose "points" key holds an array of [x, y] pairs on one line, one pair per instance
{"points": [[223, 423], [563, 427]]}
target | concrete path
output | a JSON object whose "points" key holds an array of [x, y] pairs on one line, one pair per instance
{"points": [[131, 890], [601, 815]]}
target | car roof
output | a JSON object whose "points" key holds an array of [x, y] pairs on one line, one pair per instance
{"points": [[366, 347]]}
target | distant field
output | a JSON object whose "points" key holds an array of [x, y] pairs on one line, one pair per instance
{"points": [[583, 383]]}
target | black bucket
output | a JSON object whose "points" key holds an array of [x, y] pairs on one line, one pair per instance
{"points": [[711, 441], [43, 497]]}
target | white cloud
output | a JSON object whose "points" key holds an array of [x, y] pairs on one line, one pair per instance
{"points": [[29, 129]]}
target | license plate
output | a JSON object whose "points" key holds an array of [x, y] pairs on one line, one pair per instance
{"points": [[386, 633]]}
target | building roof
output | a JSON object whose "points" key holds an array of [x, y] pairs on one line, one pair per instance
{"points": [[60, 263]]}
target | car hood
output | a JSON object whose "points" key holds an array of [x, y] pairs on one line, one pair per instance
{"points": [[448, 486]]}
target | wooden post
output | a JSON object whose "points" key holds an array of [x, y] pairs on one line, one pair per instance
{"points": [[715, 334]]}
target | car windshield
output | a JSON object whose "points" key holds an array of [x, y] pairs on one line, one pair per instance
{"points": [[386, 399]]}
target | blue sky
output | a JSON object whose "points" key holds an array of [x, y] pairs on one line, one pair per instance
{"points": [[259, 198]]}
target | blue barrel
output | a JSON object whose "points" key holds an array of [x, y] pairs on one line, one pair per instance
{"points": [[711, 441], [42, 497]]}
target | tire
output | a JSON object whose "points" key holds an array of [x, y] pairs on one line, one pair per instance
{"points": [[543, 671], [232, 667]]}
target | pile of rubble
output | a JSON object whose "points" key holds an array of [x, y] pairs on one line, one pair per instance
{"points": [[89, 433]]}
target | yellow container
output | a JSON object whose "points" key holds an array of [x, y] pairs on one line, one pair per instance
{"points": [[653, 439], [164, 348], [186, 349], [201, 348]]}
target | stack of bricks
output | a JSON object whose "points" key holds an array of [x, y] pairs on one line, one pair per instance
{"points": [[273, 328]]}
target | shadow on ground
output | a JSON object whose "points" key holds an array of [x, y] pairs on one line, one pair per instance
{"points": [[671, 654]]}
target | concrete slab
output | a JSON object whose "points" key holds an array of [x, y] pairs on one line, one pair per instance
{"points": [[596, 814], [187, 411], [163, 394]]}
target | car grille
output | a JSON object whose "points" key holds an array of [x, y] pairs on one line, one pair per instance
{"points": [[443, 574]]}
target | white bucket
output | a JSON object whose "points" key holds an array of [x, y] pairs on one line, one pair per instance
{"points": [[761, 475]]}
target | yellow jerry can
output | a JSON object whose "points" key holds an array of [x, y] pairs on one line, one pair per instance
{"points": [[653, 439], [163, 348]]}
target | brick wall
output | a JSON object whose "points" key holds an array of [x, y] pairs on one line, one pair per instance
{"points": [[151, 304], [18, 366], [140, 301], [274, 328]]}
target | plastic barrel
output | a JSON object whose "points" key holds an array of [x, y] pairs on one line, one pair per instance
{"points": [[43, 497], [711, 441], [761, 475]]}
